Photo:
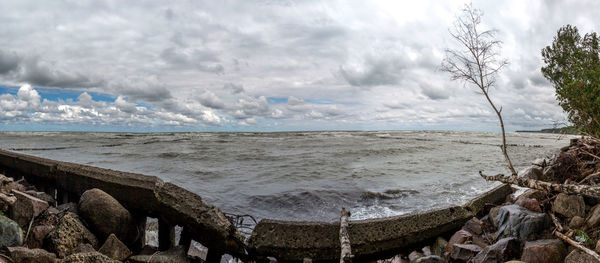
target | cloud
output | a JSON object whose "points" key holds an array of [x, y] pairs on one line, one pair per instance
{"points": [[433, 92], [373, 72], [9, 61], [210, 100]]}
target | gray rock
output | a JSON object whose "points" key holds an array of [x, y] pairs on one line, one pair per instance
{"points": [[464, 252], [68, 235], [576, 222], [106, 215], [532, 172], [503, 250], [10, 233], [593, 219], [430, 259], [27, 255], [569, 205], [114, 248], [89, 257], [174, 255], [517, 221], [544, 251], [578, 256]]}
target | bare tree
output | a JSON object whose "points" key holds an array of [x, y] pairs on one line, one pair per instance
{"points": [[477, 62]]}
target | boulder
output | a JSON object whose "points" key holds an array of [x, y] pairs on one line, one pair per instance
{"points": [[27, 255], [439, 246], [474, 226], [68, 235], [578, 256], [517, 221], [106, 215], [10, 233], [569, 205], [114, 248], [593, 218], [173, 255], [37, 234], [26, 207], [430, 259], [544, 251], [89, 257], [464, 252], [530, 204], [576, 222], [493, 215], [460, 237], [532, 172], [533, 193], [503, 250]]}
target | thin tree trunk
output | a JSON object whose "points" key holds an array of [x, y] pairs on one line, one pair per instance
{"points": [[585, 190], [346, 252], [504, 151]]}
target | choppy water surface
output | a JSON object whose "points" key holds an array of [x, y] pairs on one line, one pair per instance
{"points": [[303, 175]]}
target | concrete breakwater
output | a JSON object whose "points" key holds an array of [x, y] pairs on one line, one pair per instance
{"points": [[285, 241]]}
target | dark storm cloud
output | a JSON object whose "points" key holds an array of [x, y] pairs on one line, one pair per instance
{"points": [[9, 61]]}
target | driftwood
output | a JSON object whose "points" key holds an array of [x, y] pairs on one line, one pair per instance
{"points": [[577, 245], [556, 223], [585, 190], [346, 252]]}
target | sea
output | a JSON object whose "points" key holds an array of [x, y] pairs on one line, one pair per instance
{"points": [[304, 176]]}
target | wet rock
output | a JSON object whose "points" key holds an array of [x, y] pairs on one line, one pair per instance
{"points": [[37, 234], [593, 218], [439, 246], [27, 255], [576, 222], [578, 256], [68, 235], [544, 251], [106, 215], [10, 233], [532, 172], [517, 221], [530, 204], [460, 237], [464, 252], [430, 259], [26, 207], [174, 255], [569, 205], [114, 248], [89, 257], [503, 250]]}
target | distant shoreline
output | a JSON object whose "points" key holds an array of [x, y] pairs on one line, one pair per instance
{"points": [[563, 130]]}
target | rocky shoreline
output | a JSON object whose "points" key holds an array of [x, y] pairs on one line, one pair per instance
{"points": [[527, 226], [96, 229]]}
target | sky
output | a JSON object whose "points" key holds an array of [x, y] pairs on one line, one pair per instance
{"points": [[269, 65]]}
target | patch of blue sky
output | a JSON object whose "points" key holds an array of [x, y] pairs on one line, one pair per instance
{"points": [[55, 94], [273, 100], [319, 101]]}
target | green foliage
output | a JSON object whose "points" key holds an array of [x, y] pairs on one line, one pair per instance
{"points": [[573, 66], [582, 237]]}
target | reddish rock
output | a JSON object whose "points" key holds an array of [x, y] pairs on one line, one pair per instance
{"points": [[534, 194], [464, 252], [27, 255], [460, 237], [569, 205], [114, 248], [544, 251], [474, 226], [503, 250], [578, 256], [26, 208], [493, 215], [530, 204], [37, 234]]}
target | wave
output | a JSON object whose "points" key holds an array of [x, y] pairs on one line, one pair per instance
{"points": [[43, 148], [388, 194]]}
